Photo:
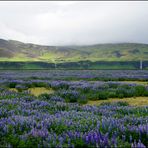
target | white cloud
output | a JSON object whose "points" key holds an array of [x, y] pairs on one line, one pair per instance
{"points": [[62, 23]]}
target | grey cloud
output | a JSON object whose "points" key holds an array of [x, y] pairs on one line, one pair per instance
{"points": [[65, 23]]}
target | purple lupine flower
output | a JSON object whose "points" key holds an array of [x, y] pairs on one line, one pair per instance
{"points": [[130, 138], [87, 139], [138, 145]]}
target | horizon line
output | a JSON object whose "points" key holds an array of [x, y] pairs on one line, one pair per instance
{"points": [[73, 44]]}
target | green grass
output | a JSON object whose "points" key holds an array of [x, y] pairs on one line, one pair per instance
{"points": [[137, 101], [36, 91], [137, 82], [69, 65], [118, 66]]}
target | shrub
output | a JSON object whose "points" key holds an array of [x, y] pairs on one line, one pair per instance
{"points": [[21, 88], [112, 85], [92, 95], [103, 95], [131, 92], [122, 92], [12, 84], [45, 96], [39, 84], [69, 95], [105, 103], [82, 100], [125, 86], [85, 90], [145, 93], [122, 103], [112, 95], [120, 95], [139, 90]]}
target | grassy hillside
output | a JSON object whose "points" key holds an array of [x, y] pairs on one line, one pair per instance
{"points": [[17, 51]]}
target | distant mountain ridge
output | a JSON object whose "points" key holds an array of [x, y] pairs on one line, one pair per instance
{"points": [[11, 50]]}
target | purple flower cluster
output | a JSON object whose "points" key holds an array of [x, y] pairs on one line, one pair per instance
{"points": [[79, 74], [56, 123], [52, 121]]}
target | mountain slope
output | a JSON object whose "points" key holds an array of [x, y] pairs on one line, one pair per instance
{"points": [[11, 50]]}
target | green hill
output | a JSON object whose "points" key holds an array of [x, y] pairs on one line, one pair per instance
{"points": [[11, 50]]}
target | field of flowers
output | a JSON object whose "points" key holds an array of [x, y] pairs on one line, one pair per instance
{"points": [[62, 118]]}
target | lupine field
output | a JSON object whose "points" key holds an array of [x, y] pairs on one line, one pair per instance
{"points": [[61, 116]]}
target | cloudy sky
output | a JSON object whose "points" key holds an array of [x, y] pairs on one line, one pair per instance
{"points": [[80, 23]]}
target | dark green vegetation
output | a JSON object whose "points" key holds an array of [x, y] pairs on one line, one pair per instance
{"points": [[81, 92], [101, 56], [74, 65]]}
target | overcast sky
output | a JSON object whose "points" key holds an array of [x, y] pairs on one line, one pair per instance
{"points": [[65, 23]]}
